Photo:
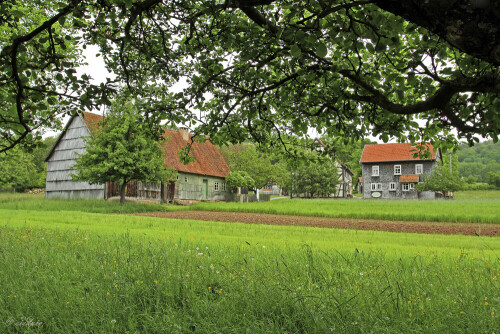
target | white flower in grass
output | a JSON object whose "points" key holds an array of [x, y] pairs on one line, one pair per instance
{"points": [[263, 246], [200, 254], [113, 321]]}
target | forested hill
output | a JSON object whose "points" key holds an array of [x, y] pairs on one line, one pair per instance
{"points": [[477, 161]]}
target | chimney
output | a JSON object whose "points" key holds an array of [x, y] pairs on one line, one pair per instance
{"points": [[184, 133]]}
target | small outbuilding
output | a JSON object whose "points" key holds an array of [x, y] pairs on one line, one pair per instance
{"points": [[201, 179]]}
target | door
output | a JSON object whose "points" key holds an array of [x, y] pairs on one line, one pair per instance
{"points": [[205, 190]]}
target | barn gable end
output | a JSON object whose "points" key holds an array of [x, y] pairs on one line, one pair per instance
{"points": [[61, 160]]}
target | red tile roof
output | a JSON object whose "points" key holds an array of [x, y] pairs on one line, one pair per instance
{"points": [[412, 178], [394, 152], [93, 121], [207, 158]]}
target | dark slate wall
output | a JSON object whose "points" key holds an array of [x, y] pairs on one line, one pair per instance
{"points": [[386, 176]]}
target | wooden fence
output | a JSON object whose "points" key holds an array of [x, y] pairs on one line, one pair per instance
{"points": [[144, 191]]}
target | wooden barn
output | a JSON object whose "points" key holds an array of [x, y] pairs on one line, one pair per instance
{"points": [[201, 179], [61, 158]]}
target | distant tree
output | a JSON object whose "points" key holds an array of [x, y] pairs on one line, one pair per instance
{"points": [[316, 178], [478, 161], [18, 171], [441, 179], [263, 168], [240, 179], [122, 150], [316, 173], [25, 169], [494, 179]]}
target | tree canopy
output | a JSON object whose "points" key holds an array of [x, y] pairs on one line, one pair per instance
{"points": [[442, 180], [22, 170], [260, 69], [264, 168], [122, 150]]}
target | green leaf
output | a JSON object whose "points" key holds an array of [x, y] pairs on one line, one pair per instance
{"points": [[295, 51], [321, 50]]}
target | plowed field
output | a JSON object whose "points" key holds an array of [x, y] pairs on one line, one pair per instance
{"points": [[359, 224]]}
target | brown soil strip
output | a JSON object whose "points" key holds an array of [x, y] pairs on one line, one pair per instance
{"points": [[490, 230]]}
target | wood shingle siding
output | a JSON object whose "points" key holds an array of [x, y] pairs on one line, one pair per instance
{"points": [[70, 144]]}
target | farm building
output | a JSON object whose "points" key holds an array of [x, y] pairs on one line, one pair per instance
{"points": [[359, 185], [391, 170], [201, 179]]}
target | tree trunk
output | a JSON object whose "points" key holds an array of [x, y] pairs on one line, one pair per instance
{"points": [[123, 191]]}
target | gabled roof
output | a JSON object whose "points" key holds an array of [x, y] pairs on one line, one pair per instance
{"points": [[92, 121], [395, 152], [207, 158], [411, 178]]}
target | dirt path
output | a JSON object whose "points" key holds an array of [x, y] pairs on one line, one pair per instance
{"points": [[358, 224]]}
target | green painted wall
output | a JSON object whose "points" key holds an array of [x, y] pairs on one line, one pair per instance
{"points": [[193, 188]]}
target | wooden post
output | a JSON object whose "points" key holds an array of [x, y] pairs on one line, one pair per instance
{"points": [[162, 193]]}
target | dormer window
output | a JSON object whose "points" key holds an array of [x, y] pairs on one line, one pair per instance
{"points": [[375, 171], [397, 169]]}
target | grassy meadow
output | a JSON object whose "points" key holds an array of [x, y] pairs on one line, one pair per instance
{"points": [[39, 203], [65, 269], [470, 207]]}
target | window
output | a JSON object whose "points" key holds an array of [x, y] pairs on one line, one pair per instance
{"points": [[376, 186], [392, 186], [374, 170], [177, 177], [419, 169], [223, 186], [186, 179], [397, 169], [408, 186], [216, 186]]}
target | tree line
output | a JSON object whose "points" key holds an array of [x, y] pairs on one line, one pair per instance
{"points": [[22, 169]]}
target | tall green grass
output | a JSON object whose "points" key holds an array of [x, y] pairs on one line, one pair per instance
{"points": [[460, 211], [87, 272], [478, 194], [38, 202]]}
